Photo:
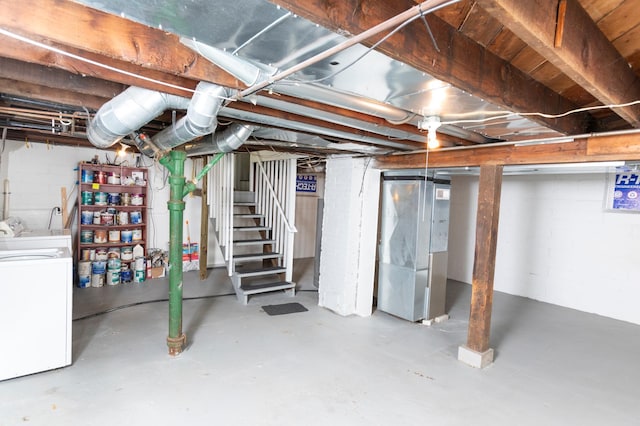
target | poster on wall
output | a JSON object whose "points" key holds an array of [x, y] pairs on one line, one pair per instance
{"points": [[624, 190], [306, 183]]}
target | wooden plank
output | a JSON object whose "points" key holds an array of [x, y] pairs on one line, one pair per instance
{"points": [[50, 94], [461, 61], [490, 186], [597, 148], [72, 24], [63, 206], [204, 228], [586, 55]]}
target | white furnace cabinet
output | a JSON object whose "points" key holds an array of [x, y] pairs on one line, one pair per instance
{"points": [[412, 257], [35, 308]]}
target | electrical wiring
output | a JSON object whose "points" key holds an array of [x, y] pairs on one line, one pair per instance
{"points": [[90, 61], [147, 302]]}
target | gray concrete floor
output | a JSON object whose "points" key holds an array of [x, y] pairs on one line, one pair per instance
{"points": [[553, 366]]}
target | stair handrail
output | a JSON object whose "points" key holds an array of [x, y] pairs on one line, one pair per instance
{"points": [[290, 228]]}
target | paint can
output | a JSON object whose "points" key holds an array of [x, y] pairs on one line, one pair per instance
{"points": [[137, 199], [100, 177], [125, 275], [96, 218], [84, 267], [135, 217], [98, 266], [106, 219], [126, 253], [100, 198], [136, 235], [126, 236], [113, 252], [86, 236], [101, 254], [86, 217], [114, 236], [86, 198], [113, 277], [86, 176], [97, 280], [113, 178], [123, 218], [125, 199], [114, 263], [84, 281], [140, 270], [88, 254], [100, 236], [113, 198]]}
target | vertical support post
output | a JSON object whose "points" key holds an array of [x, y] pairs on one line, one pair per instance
{"points": [[174, 162], [176, 339], [477, 352], [204, 229]]}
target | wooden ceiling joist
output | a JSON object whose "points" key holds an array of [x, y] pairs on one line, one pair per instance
{"points": [[583, 150], [460, 61], [584, 53]]}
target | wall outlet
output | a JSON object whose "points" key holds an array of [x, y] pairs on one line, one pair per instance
{"points": [[58, 211]]}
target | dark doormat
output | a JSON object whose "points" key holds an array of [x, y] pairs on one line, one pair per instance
{"points": [[285, 308]]}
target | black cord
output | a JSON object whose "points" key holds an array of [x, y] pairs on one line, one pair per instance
{"points": [[131, 305]]}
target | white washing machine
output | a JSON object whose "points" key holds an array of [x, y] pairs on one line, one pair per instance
{"points": [[36, 307], [37, 238]]}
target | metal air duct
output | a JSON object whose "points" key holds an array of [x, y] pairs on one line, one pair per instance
{"points": [[127, 112], [227, 140], [199, 121]]}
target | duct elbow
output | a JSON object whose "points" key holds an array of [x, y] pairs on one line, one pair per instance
{"points": [[226, 141], [128, 112]]}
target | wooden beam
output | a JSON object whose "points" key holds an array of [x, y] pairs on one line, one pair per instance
{"points": [[461, 61], [591, 149], [43, 93], [59, 79], [71, 24], [585, 55], [484, 263]]}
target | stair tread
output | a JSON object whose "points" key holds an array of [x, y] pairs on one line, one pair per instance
{"points": [[252, 272], [244, 203], [248, 215], [257, 256], [252, 242], [265, 287], [251, 228]]}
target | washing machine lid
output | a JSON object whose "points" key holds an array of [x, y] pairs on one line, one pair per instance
{"points": [[33, 254]]}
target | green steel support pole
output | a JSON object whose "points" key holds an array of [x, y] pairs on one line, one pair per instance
{"points": [[174, 162]]}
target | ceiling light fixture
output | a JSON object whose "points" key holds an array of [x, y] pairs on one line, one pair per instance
{"points": [[430, 124]]}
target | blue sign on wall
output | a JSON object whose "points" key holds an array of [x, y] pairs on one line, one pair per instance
{"points": [[306, 183], [626, 191]]}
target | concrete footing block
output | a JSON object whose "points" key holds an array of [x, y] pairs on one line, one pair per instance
{"points": [[473, 358]]}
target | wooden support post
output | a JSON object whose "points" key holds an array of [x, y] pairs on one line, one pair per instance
{"points": [[204, 229], [477, 352]]}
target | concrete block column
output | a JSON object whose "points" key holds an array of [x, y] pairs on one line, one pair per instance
{"points": [[349, 236]]}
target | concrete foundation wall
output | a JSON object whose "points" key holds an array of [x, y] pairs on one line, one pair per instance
{"points": [[556, 243]]}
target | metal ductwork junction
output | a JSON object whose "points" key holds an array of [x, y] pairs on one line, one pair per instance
{"points": [[128, 112], [227, 140], [135, 107], [199, 121]]}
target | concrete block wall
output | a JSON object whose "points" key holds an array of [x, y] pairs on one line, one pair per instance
{"points": [[349, 235], [556, 243], [37, 172]]}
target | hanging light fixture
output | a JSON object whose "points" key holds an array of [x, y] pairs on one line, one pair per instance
{"points": [[431, 124]]}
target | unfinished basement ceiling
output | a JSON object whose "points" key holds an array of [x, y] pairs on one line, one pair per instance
{"points": [[487, 69], [265, 34]]}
